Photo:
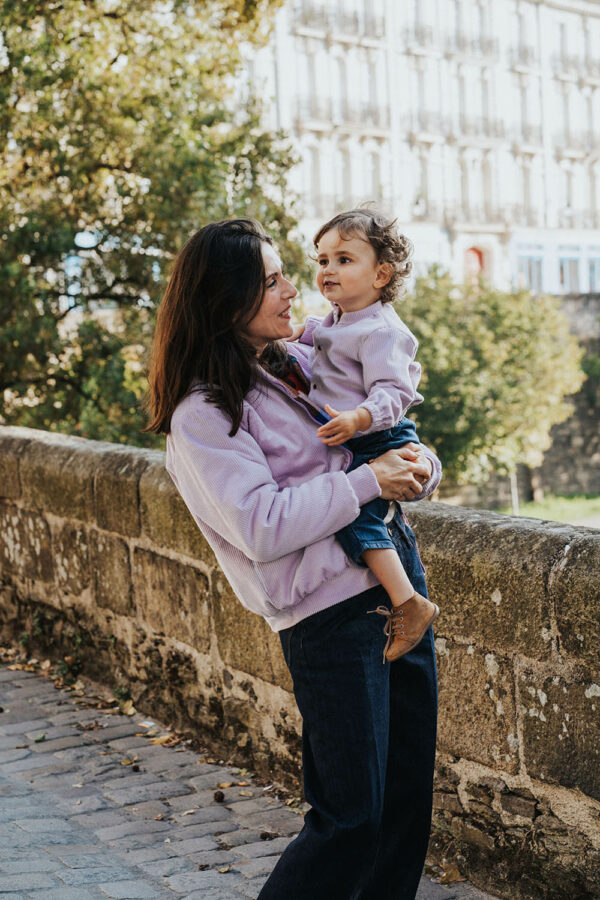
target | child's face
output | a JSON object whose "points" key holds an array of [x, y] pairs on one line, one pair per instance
{"points": [[349, 273]]}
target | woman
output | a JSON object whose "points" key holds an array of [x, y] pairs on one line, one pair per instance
{"points": [[269, 496]]}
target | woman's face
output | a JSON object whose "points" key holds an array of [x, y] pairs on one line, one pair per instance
{"points": [[273, 320]]}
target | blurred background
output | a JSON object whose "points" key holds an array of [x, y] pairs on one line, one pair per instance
{"points": [[125, 126]]}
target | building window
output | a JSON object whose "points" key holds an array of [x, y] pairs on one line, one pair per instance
{"points": [[474, 263], [594, 273], [569, 274], [530, 273]]}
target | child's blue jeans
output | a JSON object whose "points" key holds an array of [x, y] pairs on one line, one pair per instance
{"points": [[368, 531]]}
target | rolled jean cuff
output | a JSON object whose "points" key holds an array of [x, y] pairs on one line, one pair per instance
{"points": [[354, 547]]}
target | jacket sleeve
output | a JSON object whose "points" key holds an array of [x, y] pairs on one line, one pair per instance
{"points": [[226, 482], [307, 335], [390, 376]]}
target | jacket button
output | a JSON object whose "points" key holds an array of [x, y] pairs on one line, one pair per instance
{"points": [[318, 346]]}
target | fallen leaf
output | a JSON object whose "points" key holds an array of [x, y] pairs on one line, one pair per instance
{"points": [[45, 665], [162, 739], [79, 685], [451, 874], [128, 762], [69, 660], [243, 783], [39, 738], [225, 784], [159, 817], [128, 708], [246, 794], [224, 869], [21, 746], [189, 812], [78, 785]]}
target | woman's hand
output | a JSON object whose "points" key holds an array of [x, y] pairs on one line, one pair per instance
{"points": [[297, 332], [401, 473]]}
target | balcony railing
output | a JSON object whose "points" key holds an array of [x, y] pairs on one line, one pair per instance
{"points": [[419, 36], [467, 45], [424, 211], [575, 142], [518, 214], [523, 55], [592, 68], [528, 134], [565, 64], [579, 218], [374, 26], [312, 14], [429, 123], [317, 109], [363, 116], [481, 127]]}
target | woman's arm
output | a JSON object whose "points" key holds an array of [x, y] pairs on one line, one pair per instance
{"points": [[226, 482]]}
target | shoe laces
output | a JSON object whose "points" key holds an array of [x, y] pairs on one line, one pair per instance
{"points": [[394, 626]]}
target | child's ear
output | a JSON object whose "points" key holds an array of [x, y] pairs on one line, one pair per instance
{"points": [[383, 276]]}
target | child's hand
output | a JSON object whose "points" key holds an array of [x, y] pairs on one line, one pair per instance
{"points": [[297, 332], [343, 425]]}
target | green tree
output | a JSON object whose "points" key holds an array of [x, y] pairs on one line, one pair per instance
{"points": [[122, 131], [497, 369]]}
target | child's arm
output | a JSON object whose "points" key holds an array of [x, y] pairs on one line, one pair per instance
{"points": [[343, 425], [305, 335], [390, 376]]}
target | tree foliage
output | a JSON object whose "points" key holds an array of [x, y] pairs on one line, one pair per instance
{"points": [[122, 131], [497, 369]]}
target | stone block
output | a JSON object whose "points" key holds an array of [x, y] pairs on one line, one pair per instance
{"points": [[166, 519], [575, 590], [561, 730], [259, 653], [116, 489], [57, 473], [477, 707], [112, 572], [13, 442], [25, 543], [71, 558], [172, 598], [489, 574]]}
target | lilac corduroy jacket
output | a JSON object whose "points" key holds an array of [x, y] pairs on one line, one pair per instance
{"points": [[270, 499]]}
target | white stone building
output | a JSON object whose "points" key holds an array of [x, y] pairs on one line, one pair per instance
{"points": [[475, 122]]}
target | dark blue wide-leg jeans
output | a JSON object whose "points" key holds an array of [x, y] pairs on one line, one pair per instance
{"points": [[368, 752]]}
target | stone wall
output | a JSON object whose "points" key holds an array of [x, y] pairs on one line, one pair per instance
{"points": [[100, 562]]}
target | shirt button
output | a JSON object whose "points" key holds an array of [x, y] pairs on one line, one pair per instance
{"points": [[314, 385], [318, 346]]}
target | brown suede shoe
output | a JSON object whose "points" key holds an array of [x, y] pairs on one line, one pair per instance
{"points": [[406, 625]]}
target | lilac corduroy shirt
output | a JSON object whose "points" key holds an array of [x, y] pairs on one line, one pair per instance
{"points": [[364, 358], [270, 499]]}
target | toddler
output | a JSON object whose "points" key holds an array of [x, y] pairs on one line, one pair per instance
{"points": [[365, 378]]}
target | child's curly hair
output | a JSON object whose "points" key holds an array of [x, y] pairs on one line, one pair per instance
{"points": [[390, 246]]}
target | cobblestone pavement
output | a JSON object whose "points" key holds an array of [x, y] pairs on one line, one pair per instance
{"points": [[91, 808]]}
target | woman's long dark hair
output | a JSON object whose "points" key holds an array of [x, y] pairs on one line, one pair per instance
{"points": [[215, 289]]}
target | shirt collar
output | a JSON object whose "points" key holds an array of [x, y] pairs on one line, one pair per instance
{"points": [[371, 311]]}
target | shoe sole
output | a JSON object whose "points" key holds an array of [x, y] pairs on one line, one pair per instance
{"points": [[426, 628]]}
